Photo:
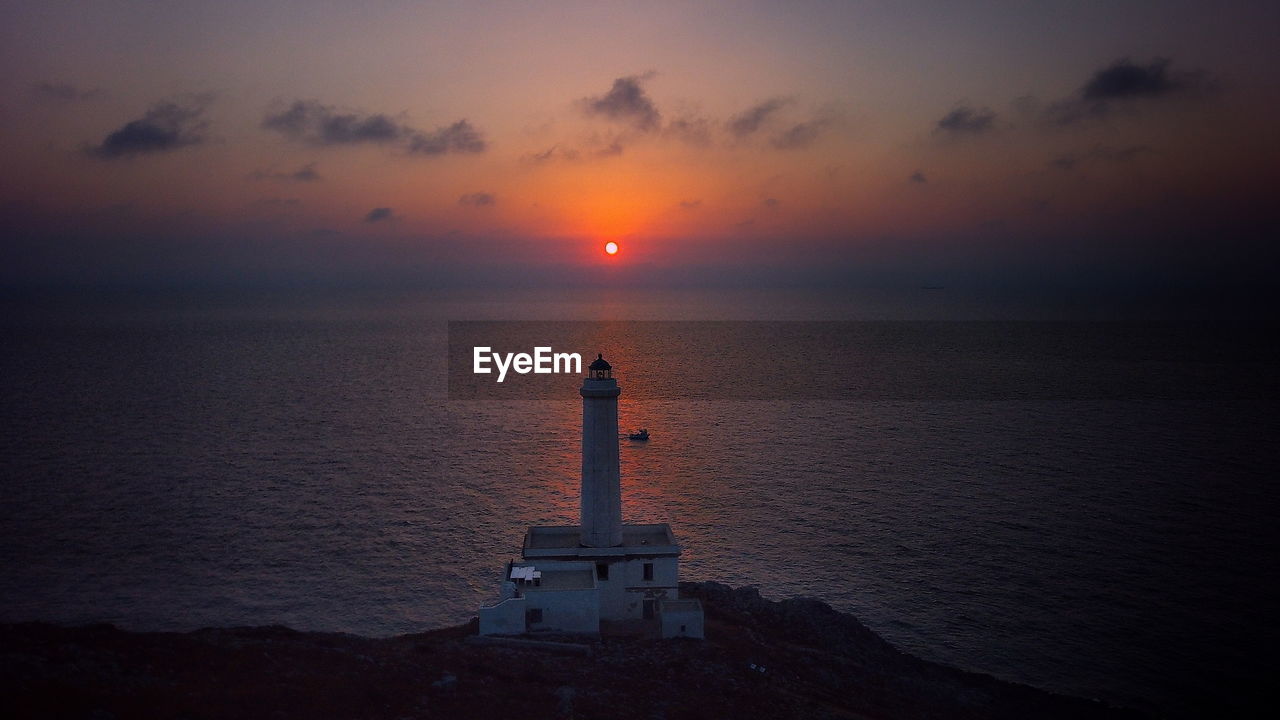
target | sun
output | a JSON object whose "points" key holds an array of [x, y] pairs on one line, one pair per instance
{"points": [[611, 248]]}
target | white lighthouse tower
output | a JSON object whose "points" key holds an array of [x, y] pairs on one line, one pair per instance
{"points": [[601, 477], [573, 578]]}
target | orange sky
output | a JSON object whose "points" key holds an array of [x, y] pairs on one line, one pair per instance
{"points": [[737, 133]]}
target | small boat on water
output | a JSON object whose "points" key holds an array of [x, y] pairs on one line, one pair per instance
{"points": [[641, 434]]}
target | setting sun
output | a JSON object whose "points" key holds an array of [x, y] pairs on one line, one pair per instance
{"points": [[611, 248]]}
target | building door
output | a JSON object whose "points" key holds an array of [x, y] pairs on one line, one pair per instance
{"points": [[648, 609]]}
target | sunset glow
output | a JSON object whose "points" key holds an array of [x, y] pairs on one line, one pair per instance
{"points": [[314, 319], [449, 140]]}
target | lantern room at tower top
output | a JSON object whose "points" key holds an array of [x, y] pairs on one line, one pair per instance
{"points": [[599, 369], [573, 577]]}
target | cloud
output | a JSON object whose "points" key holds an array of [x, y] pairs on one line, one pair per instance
{"points": [[964, 120], [752, 119], [164, 128], [1125, 81], [323, 125], [459, 137], [379, 214], [478, 199], [306, 173], [555, 152], [1025, 105], [613, 149], [593, 147], [627, 102], [318, 124], [918, 177], [62, 92], [693, 130], [295, 120], [1100, 153], [1124, 154], [800, 135], [1065, 162]]}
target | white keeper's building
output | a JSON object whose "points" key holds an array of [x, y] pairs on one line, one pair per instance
{"points": [[573, 577]]}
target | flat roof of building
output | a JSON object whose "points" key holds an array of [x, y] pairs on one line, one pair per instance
{"points": [[559, 578], [634, 537], [641, 535]]}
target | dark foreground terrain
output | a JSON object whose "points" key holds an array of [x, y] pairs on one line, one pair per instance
{"points": [[817, 663]]}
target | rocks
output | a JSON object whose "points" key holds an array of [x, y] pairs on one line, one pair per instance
{"points": [[447, 682], [565, 693], [789, 659]]}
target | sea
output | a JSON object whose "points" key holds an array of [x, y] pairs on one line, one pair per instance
{"points": [[1080, 501]]}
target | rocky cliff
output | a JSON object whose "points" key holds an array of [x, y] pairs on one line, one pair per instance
{"points": [[761, 659]]}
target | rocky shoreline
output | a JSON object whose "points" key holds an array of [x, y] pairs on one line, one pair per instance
{"points": [[762, 659]]}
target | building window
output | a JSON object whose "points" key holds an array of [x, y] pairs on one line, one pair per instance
{"points": [[533, 616], [602, 571], [648, 571]]}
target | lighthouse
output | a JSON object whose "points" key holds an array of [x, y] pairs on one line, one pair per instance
{"points": [[599, 574], [601, 478]]}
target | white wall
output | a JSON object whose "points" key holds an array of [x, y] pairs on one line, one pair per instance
{"points": [[635, 588], [601, 487], [505, 618], [574, 611], [681, 623], [613, 592]]}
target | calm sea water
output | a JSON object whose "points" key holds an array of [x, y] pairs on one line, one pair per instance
{"points": [[172, 462]]}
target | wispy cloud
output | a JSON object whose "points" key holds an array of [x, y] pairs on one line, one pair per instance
{"points": [[799, 135], [62, 92], [555, 152], [592, 147], [318, 124], [626, 102], [691, 129], [478, 199], [380, 214], [1099, 153], [459, 137], [165, 127], [613, 149], [964, 120], [323, 125], [1125, 79], [755, 117], [306, 173], [1125, 82]]}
